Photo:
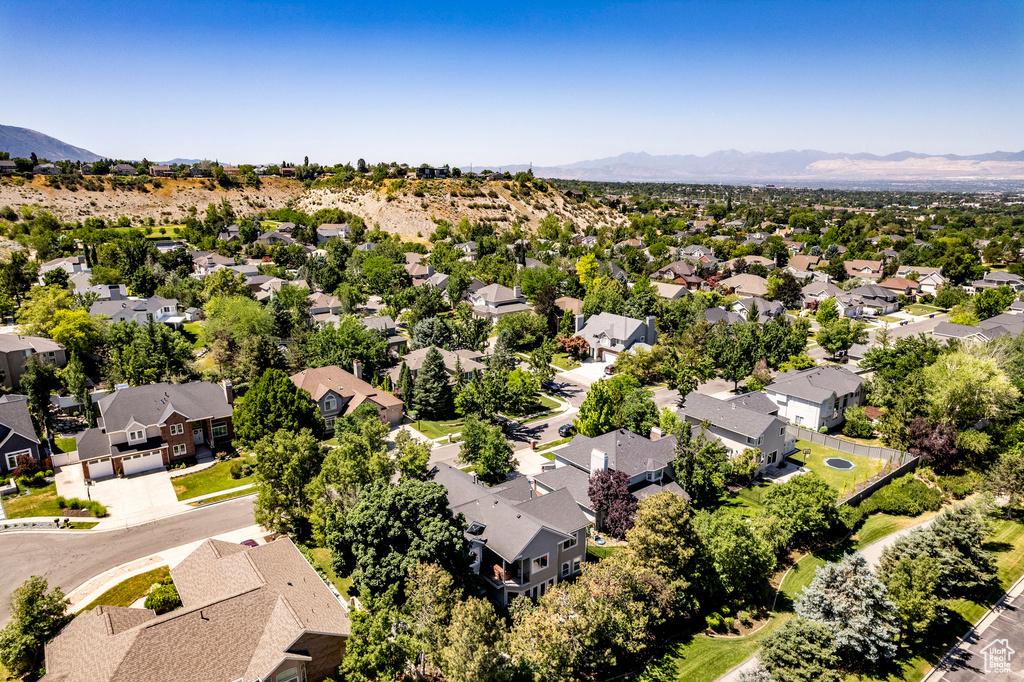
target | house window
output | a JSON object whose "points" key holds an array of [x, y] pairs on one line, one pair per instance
{"points": [[799, 420], [177, 429], [220, 430], [569, 544], [782, 431], [329, 423], [180, 450], [575, 565], [290, 675], [12, 458], [565, 569], [540, 562], [134, 436], [330, 404]]}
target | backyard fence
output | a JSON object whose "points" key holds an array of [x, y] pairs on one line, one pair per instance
{"points": [[865, 492], [849, 447]]}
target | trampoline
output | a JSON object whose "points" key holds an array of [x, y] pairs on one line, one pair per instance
{"points": [[839, 463]]}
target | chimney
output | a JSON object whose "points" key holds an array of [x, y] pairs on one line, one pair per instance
{"points": [[652, 331], [517, 292], [656, 433], [578, 324], [229, 391], [430, 271], [598, 461], [357, 369]]}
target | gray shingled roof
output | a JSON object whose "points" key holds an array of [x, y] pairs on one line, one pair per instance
{"points": [[15, 417], [758, 401], [627, 451], [728, 415], [152, 404], [817, 383]]}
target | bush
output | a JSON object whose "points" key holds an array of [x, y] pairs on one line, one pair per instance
{"points": [[823, 429], [851, 516], [49, 473], [38, 478], [959, 486], [236, 470], [97, 509], [74, 503], [905, 496], [62, 502], [857, 423], [163, 599]]}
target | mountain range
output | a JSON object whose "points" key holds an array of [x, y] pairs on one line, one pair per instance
{"points": [[23, 141]]}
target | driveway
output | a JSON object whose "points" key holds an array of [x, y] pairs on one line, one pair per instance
{"points": [[145, 496], [586, 374]]}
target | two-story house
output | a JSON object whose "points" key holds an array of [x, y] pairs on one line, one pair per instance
{"points": [[866, 269], [248, 613], [817, 396], [875, 299], [469, 361], [749, 421], [929, 279], [15, 350], [766, 310], [521, 543], [494, 301], [385, 324], [746, 284], [609, 335], [141, 428], [69, 264], [999, 278], [17, 434], [647, 462], [681, 272], [140, 310], [324, 308], [327, 231], [337, 393]]}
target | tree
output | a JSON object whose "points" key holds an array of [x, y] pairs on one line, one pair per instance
{"points": [[432, 598], [432, 394], [58, 277], [540, 361], [259, 353], [486, 448], [586, 268], [990, 302], [75, 380], [601, 410], [146, 354], [345, 342], [801, 651], [911, 583], [935, 443], [784, 288], [76, 331], [850, 601], [285, 465], [742, 559], [614, 504], [663, 539], [639, 412], [523, 331], [686, 369], [405, 388], [521, 391], [828, 312], [544, 307], [475, 644], [226, 283], [806, 505], [411, 455], [274, 403], [391, 528], [229, 322], [37, 615], [700, 466], [965, 387], [840, 335], [36, 316], [38, 381], [857, 424], [373, 651]]}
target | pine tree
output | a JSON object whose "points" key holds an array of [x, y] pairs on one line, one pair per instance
{"points": [[405, 386], [432, 395]]}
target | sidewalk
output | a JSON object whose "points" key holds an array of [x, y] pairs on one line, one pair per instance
{"points": [[85, 594]]}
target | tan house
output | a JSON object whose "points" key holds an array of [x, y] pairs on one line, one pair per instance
{"points": [[867, 269], [337, 393], [259, 613], [746, 284], [15, 350]]}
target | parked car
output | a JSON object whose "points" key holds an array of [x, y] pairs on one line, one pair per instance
{"points": [[249, 543], [550, 386], [609, 369], [565, 430]]}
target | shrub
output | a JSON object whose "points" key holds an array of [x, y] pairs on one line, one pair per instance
{"points": [[62, 502], [236, 470], [857, 423], [823, 429], [49, 473], [905, 496], [38, 478], [74, 503], [97, 509], [959, 486], [163, 599]]}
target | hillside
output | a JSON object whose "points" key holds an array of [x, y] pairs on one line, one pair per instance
{"points": [[23, 142], [398, 210]]}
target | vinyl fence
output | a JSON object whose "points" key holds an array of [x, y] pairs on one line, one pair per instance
{"points": [[862, 494], [850, 448]]}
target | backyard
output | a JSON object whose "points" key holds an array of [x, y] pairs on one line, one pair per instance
{"points": [[212, 480], [322, 560], [131, 590], [840, 479], [65, 444]]}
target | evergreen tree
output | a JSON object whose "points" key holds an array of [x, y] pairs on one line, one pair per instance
{"points": [[432, 394], [405, 386], [272, 404], [801, 651]]}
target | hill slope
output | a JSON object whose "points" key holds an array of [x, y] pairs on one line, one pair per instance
{"points": [[22, 142]]}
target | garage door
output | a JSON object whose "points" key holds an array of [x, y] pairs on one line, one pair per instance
{"points": [[144, 462], [101, 469]]}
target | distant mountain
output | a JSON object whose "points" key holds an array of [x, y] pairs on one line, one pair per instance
{"points": [[178, 162], [22, 142], [806, 166]]}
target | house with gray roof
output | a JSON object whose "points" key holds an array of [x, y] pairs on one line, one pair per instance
{"points": [[15, 350], [452, 361], [647, 462], [875, 299], [521, 542], [1005, 324], [328, 231], [998, 278], [609, 335], [17, 434], [716, 315], [386, 326], [748, 421], [817, 396], [139, 310], [275, 238], [700, 255], [494, 301], [141, 428], [248, 613], [766, 310]]}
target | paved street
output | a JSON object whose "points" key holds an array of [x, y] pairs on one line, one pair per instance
{"points": [[69, 558]]}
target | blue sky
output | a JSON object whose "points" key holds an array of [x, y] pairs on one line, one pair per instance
{"points": [[500, 83]]}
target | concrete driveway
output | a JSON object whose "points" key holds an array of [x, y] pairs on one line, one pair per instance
{"points": [[586, 374], [148, 495]]}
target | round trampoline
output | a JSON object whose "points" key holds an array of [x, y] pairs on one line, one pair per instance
{"points": [[838, 463]]}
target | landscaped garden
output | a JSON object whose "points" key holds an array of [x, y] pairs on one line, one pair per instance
{"points": [[40, 501], [221, 476]]}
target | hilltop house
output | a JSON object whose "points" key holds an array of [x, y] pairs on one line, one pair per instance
{"points": [[609, 335], [139, 310], [521, 543], [124, 169], [160, 171], [248, 613], [15, 350], [141, 428], [17, 434], [747, 421], [328, 230], [494, 301], [817, 396], [645, 461], [338, 393]]}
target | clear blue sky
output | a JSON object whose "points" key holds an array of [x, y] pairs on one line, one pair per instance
{"points": [[513, 82]]}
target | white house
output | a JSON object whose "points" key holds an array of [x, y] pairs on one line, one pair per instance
{"points": [[817, 396]]}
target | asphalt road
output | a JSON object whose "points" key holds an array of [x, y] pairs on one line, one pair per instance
{"points": [[70, 558]]}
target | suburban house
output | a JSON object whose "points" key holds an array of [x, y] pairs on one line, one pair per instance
{"points": [[901, 285], [419, 273], [139, 310], [160, 171], [17, 434], [494, 301], [274, 238], [337, 393], [106, 292], [124, 169], [248, 613], [329, 230], [569, 303], [324, 308], [741, 264], [46, 169], [521, 543], [205, 262], [438, 280], [141, 428], [701, 255], [999, 279], [231, 233], [646, 462], [766, 310], [866, 269], [469, 361], [681, 272], [748, 421], [669, 291], [386, 326], [803, 266], [817, 396], [716, 315], [1005, 324], [7, 167], [15, 350], [468, 248], [929, 279], [814, 293], [874, 299], [69, 264], [746, 284], [609, 335]]}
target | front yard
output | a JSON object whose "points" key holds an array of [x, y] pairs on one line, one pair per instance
{"points": [[131, 590], [41, 501], [212, 480], [564, 362], [438, 428], [842, 480]]}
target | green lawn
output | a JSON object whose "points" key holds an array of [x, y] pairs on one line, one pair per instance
{"points": [[878, 526], [212, 480], [438, 427], [65, 444], [601, 551], [131, 590], [191, 332], [745, 503], [888, 318], [543, 404], [83, 525], [322, 560], [561, 441], [864, 467], [40, 501], [225, 496], [922, 309], [563, 361]]}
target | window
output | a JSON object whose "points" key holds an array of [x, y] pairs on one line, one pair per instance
{"points": [[180, 450], [12, 458], [290, 675], [799, 420], [220, 430], [782, 431], [575, 565], [565, 569], [330, 403], [136, 436], [177, 429], [329, 423], [569, 544], [540, 562]]}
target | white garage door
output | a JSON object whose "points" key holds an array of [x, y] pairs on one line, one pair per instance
{"points": [[144, 462], [101, 469]]}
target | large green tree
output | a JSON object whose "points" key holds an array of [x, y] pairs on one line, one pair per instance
{"points": [[285, 465], [274, 403], [432, 392], [37, 615], [806, 505], [486, 448], [801, 651]]}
